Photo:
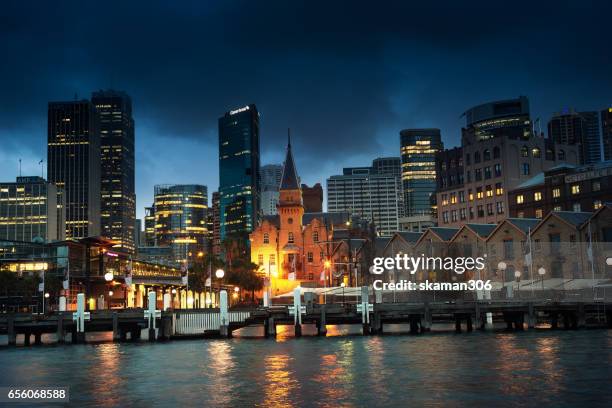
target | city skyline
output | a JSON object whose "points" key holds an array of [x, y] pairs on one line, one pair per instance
{"points": [[356, 97]]}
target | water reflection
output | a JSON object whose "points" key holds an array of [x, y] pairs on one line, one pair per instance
{"points": [[218, 369], [280, 382]]}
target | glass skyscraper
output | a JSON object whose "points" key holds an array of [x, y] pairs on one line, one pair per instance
{"points": [[180, 219], [118, 195], [239, 172], [418, 151]]}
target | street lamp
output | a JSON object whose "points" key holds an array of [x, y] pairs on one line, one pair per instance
{"points": [[517, 275], [542, 272], [219, 273], [108, 276]]}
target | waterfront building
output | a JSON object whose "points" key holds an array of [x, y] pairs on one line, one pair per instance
{"points": [[563, 188], [418, 155], [117, 186], [363, 192], [606, 133], [270, 182], [30, 211], [577, 128], [313, 198], [293, 246], [73, 164], [498, 152], [239, 172], [180, 219]]}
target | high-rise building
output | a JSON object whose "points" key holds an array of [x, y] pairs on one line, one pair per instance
{"points": [[216, 222], [362, 192], [239, 172], [499, 151], [117, 187], [577, 128], [418, 151], [149, 226], [138, 234], [313, 198], [73, 164], [270, 182], [29, 211], [180, 219], [393, 166], [606, 133]]}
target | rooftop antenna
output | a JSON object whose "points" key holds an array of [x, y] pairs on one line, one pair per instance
{"points": [[289, 138], [41, 168], [19, 167]]}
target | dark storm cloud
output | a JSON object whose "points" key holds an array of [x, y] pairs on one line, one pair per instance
{"points": [[345, 76]]}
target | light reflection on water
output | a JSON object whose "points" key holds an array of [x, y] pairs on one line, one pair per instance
{"points": [[531, 368]]}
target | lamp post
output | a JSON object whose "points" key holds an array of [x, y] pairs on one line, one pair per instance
{"points": [[342, 284], [542, 272], [219, 273], [502, 267], [517, 275]]}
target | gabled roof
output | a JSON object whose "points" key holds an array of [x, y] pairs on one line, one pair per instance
{"points": [[380, 243], [536, 180], [409, 236], [481, 230], [573, 219], [289, 179], [523, 225], [444, 233]]}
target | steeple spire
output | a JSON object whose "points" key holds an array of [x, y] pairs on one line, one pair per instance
{"points": [[289, 180]]}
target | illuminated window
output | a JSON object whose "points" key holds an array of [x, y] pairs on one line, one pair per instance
{"points": [[556, 192], [576, 189], [519, 199], [538, 213], [260, 259], [537, 196], [499, 190], [489, 191], [290, 238], [558, 208], [561, 155], [266, 238], [272, 259], [597, 204], [535, 152], [524, 151], [453, 198], [315, 236], [470, 195], [479, 192]]}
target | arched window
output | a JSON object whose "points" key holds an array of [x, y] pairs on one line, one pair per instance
{"points": [[524, 151], [550, 155], [496, 152], [266, 238], [561, 155], [477, 157], [315, 236], [290, 238], [486, 155], [535, 152]]}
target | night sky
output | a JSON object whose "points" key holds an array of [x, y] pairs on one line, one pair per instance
{"points": [[345, 77]]}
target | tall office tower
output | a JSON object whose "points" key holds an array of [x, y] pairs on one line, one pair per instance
{"points": [[582, 128], [363, 192], [138, 234], [418, 151], [312, 198], [270, 182], [180, 219], [393, 166], [29, 211], [216, 222], [606, 133], [149, 226], [73, 164], [118, 195], [498, 152], [239, 173]]}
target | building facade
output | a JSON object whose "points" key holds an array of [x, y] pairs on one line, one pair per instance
{"points": [[30, 211], [418, 148], [239, 172], [270, 182], [577, 128], [180, 219], [73, 164], [149, 226], [216, 222], [117, 187], [606, 133], [313, 198], [499, 151], [362, 192], [563, 188]]}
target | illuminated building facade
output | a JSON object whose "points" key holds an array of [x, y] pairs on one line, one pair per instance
{"points": [[362, 192], [29, 211], [149, 226], [117, 186], [239, 172], [216, 224], [180, 219], [73, 164], [293, 246], [418, 148], [499, 151]]}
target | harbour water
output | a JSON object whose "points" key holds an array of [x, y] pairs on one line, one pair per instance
{"points": [[479, 369]]}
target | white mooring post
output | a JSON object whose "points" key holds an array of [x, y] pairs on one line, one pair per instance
{"points": [[151, 314], [365, 308], [79, 317], [62, 303], [266, 301], [297, 310], [224, 314]]}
